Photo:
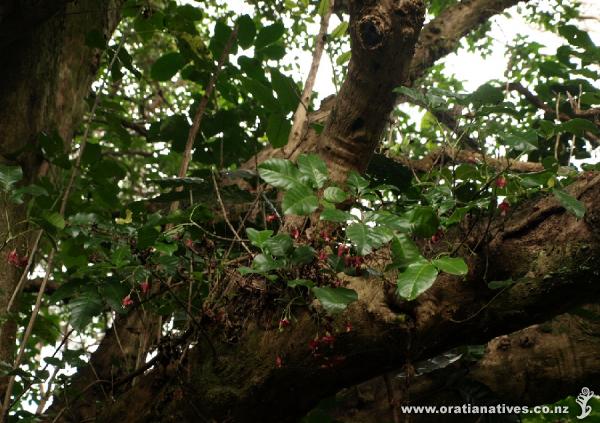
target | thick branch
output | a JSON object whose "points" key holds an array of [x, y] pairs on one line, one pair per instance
{"points": [[441, 36]]}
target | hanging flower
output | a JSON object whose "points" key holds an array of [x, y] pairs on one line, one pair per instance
{"points": [[504, 207], [127, 301], [271, 218], [295, 233], [145, 287], [501, 182]]}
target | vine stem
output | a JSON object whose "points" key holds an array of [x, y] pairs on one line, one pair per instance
{"points": [[50, 261]]}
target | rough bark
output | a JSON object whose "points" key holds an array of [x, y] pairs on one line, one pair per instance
{"points": [[241, 381], [537, 365], [47, 73]]}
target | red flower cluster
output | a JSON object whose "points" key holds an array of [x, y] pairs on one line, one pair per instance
{"points": [[16, 260], [322, 255], [295, 233], [278, 362], [271, 218], [353, 261], [145, 287], [325, 236], [321, 342]]}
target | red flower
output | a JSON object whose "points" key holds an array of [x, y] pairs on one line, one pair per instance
{"points": [[16, 260], [283, 323], [271, 218], [325, 236], [145, 286], [328, 339], [322, 255], [278, 362], [189, 244], [348, 327], [501, 182], [342, 249], [504, 207], [295, 233], [127, 301], [313, 344], [437, 236]]}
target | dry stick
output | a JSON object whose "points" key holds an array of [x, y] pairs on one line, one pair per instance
{"points": [[187, 153], [49, 262], [224, 211], [301, 114]]}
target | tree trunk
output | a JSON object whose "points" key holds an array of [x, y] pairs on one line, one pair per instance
{"points": [[46, 74]]}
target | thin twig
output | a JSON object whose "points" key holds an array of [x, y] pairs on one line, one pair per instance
{"points": [[187, 152]]}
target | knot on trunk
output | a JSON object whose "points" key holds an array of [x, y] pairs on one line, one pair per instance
{"points": [[372, 32]]}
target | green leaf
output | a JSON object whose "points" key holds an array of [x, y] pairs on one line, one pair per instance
{"points": [[404, 251], [304, 254], [314, 169], [424, 220], [486, 94], [280, 173], [54, 218], [335, 300], [367, 238], [452, 265], [300, 282], [279, 245], [323, 7], [521, 141], [343, 58], [357, 182], [416, 279], [269, 35], [146, 237], [299, 200], [167, 66], [334, 215], [571, 204], [121, 256], [339, 30], [9, 176], [258, 238], [264, 264], [335, 195], [286, 90], [246, 31], [278, 130], [578, 126], [262, 93], [163, 247], [83, 308]]}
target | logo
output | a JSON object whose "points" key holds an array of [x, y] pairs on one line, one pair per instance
{"points": [[582, 400]]}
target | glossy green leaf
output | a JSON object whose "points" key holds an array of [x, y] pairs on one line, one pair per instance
{"points": [[269, 35], [334, 215], [300, 282], [335, 300], [167, 66], [246, 31], [367, 238], [84, 308], [314, 169], [304, 254], [335, 195], [278, 245], [339, 30], [570, 203], [299, 200], [278, 130], [425, 221], [258, 238], [9, 176], [416, 279], [452, 265], [280, 173]]}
